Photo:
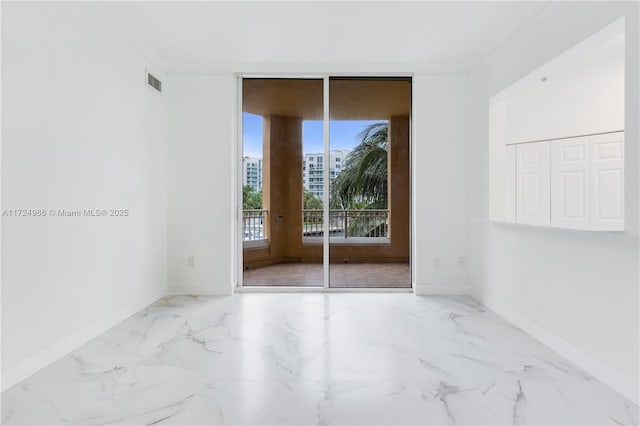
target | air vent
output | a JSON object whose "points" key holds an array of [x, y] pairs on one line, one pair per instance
{"points": [[153, 82]]}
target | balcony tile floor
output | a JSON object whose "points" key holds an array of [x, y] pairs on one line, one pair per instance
{"points": [[352, 275], [314, 359]]}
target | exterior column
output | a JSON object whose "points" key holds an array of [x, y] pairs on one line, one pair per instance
{"points": [[399, 183], [282, 183]]}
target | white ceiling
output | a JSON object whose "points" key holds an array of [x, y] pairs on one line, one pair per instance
{"points": [[451, 37]]}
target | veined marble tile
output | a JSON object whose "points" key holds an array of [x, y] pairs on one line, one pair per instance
{"points": [[314, 359]]}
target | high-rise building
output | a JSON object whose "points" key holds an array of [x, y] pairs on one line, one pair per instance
{"points": [[252, 173], [313, 170]]}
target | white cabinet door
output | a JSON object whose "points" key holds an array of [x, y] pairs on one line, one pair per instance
{"points": [[510, 184], [570, 188], [607, 182], [532, 184]]}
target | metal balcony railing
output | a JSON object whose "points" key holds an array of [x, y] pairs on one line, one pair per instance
{"points": [[253, 225], [365, 223]]}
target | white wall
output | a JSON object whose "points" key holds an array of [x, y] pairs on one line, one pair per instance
{"points": [[440, 185], [561, 106], [80, 130], [200, 176], [200, 217], [574, 290]]}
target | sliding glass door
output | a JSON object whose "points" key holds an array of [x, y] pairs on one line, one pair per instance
{"points": [[308, 192], [282, 126], [369, 182]]}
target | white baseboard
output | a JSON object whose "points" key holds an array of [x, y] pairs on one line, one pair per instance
{"points": [[596, 368], [17, 373], [283, 289], [441, 289], [200, 289]]}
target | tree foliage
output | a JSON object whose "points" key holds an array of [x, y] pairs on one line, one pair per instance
{"points": [[311, 201], [251, 200], [363, 180]]}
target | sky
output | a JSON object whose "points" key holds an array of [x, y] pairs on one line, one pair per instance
{"points": [[343, 134]]}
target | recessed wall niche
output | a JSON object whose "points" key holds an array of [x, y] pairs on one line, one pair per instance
{"points": [[556, 155]]}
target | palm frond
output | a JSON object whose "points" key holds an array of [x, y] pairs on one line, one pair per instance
{"points": [[364, 177]]}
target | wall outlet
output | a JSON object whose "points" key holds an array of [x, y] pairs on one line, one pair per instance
{"points": [[460, 260], [436, 261], [191, 261]]}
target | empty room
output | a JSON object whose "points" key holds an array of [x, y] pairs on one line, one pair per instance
{"points": [[320, 212]]}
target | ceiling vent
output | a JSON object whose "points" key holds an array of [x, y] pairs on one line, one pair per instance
{"points": [[153, 82]]}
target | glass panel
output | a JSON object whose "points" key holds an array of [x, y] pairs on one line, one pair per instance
{"points": [[369, 182], [282, 226]]}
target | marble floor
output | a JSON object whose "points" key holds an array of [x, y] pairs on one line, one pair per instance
{"points": [[314, 359], [351, 275]]}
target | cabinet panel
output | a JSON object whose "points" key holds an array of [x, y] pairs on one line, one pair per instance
{"points": [[607, 182], [532, 184], [570, 188], [510, 184]]}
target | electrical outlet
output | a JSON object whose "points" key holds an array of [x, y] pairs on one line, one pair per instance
{"points": [[191, 261], [436, 261], [461, 261]]}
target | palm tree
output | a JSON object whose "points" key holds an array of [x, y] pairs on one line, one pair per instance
{"points": [[310, 201], [362, 183]]}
